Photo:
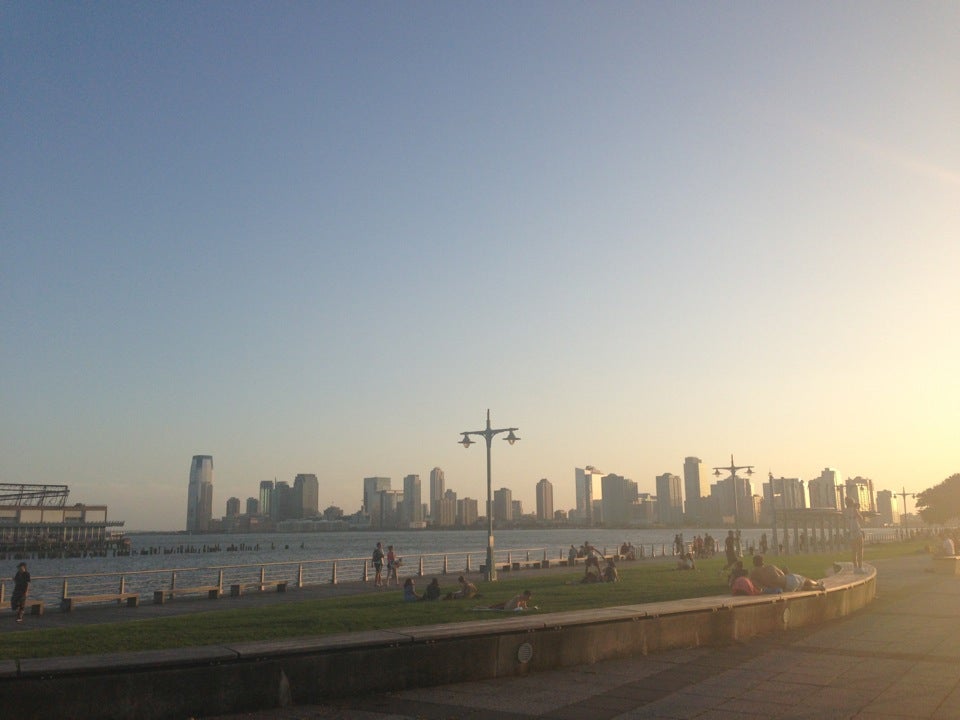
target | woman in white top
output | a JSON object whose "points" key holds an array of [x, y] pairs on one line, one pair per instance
{"points": [[852, 514]]}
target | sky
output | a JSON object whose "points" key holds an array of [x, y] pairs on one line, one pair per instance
{"points": [[327, 237]]}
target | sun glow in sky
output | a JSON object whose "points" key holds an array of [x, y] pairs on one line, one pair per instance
{"points": [[327, 237]]}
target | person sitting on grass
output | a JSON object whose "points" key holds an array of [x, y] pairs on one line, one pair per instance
{"points": [[738, 571], [467, 590], [517, 602], [409, 592], [433, 591], [741, 585], [591, 571], [610, 573], [686, 562]]}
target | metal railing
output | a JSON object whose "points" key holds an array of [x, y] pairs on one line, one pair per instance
{"points": [[53, 589]]}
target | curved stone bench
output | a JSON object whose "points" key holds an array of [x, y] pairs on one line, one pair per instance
{"points": [[257, 675]]}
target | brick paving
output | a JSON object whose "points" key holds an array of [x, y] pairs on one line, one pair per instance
{"points": [[897, 659]]}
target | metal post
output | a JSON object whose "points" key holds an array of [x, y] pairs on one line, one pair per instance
{"points": [[491, 567], [488, 434]]}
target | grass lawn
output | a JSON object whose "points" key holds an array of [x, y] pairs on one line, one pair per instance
{"points": [[641, 582]]}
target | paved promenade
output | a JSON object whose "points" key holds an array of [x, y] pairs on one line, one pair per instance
{"points": [[900, 658]]}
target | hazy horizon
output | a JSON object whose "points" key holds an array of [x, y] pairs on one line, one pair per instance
{"points": [[325, 238]]}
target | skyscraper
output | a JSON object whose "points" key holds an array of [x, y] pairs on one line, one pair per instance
{"points": [[306, 489], [694, 488], [437, 488], [826, 491], [669, 500], [200, 494], [544, 500], [503, 505], [587, 491], [413, 509], [266, 497], [372, 486], [619, 495]]}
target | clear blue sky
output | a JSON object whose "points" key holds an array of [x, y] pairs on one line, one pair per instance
{"points": [[325, 237]]}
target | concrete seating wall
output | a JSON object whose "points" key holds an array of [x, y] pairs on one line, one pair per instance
{"points": [[251, 676]]}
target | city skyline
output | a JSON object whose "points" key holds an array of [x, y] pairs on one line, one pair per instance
{"points": [[712, 505], [326, 238]]}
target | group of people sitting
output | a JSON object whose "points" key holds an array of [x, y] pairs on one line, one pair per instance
{"points": [[433, 592], [765, 578], [592, 572]]}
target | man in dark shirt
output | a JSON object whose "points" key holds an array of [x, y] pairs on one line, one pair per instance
{"points": [[21, 586]]}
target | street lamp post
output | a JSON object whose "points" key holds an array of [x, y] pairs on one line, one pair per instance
{"points": [[903, 522], [733, 482], [488, 434], [773, 507]]}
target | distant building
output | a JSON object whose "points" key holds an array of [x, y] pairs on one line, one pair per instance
{"points": [[732, 498], [437, 488], [383, 510], [826, 490], [619, 494], [371, 486], [888, 505], [467, 513], [306, 489], [445, 510], [861, 489], [503, 505], [782, 494], [266, 497], [413, 508], [670, 499], [695, 487], [200, 494], [587, 485], [544, 500], [233, 507], [253, 506]]}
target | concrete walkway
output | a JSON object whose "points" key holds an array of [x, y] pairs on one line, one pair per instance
{"points": [[900, 658]]}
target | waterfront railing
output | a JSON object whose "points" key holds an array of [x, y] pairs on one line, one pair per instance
{"points": [[53, 589]]}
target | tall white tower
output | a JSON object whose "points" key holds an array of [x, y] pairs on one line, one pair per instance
{"points": [[200, 494]]}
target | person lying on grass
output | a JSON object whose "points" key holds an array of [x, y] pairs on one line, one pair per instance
{"points": [[517, 602]]}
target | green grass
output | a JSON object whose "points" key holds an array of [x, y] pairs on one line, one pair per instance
{"points": [[641, 582]]}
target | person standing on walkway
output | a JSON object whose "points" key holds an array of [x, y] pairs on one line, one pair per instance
{"points": [[378, 565], [730, 550], [853, 517], [393, 565], [21, 587]]}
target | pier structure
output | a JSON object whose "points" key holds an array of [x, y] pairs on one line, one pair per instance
{"points": [[36, 521]]}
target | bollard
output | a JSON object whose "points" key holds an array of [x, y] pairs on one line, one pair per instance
{"points": [[468, 563], [420, 571], [528, 556], [300, 576], [262, 576], [544, 555], [444, 564], [509, 559], [333, 575], [220, 582], [64, 595], [365, 576], [173, 580]]}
